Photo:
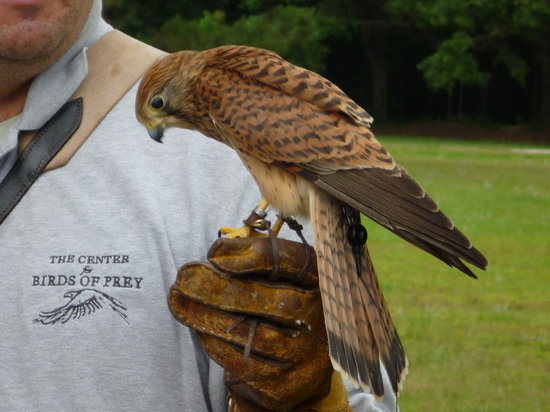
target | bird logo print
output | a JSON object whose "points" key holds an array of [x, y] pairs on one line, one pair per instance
{"points": [[312, 154], [81, 303]]}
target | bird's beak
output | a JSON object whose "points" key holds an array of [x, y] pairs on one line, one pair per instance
{"points": [[156, 131]]}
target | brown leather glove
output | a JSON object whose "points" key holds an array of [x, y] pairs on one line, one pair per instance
{"points": [[268, 334]]}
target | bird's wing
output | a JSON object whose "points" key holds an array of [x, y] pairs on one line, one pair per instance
{"points": [[81, 304], [327, 146], [117, 306], [273, 125], [396, 201], [270, 69]]}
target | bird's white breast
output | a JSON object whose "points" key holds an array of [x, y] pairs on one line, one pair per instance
{"points": [[286, 192]]}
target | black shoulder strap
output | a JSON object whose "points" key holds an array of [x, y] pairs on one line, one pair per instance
{"points": [[45, 145]]}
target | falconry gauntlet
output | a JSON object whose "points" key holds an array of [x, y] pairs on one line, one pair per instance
{"points": [[266, 330]]}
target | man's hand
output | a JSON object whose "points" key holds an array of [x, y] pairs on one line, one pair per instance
{"points": [[266, 330]]}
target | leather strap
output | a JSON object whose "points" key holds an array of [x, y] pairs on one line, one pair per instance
{"points": [[31, 162], [115, 63]]}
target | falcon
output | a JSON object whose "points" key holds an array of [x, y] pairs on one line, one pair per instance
{"points": [[312, 154]]}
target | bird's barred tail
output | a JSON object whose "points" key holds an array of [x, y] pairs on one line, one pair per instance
{"points": [[360, 330]]}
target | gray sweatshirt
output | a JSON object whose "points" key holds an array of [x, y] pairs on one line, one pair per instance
{"points": [[88, 255]]}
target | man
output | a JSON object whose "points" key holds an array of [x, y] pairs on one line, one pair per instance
{"points": [[88, 254]]}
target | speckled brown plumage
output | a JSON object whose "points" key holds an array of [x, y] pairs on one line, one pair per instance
{"points": [[311, 151]]}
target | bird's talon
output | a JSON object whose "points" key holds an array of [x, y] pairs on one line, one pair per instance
{"points": [[260, 224]]}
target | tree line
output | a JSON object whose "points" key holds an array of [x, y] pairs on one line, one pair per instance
{"points": [[402, 60]]}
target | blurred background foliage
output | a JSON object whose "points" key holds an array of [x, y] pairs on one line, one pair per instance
{"points": [[476, 60]]}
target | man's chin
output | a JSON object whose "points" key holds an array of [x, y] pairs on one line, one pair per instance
{"points": [[29, 40]]}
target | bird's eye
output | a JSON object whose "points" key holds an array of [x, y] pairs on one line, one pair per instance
{"points": [[157, 102]]}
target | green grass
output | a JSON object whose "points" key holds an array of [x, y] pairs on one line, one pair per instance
{"points": [[474, 345]]}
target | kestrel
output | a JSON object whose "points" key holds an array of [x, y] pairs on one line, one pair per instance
{"points": [[310, 149]]}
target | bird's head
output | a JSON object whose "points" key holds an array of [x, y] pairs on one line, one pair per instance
{"points": [[166, 94], [71, 294]]}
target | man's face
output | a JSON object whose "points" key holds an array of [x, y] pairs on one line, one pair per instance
{"points": [[38, 29]]}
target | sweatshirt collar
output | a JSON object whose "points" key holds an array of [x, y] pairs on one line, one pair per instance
{"points": [[54, 86]]}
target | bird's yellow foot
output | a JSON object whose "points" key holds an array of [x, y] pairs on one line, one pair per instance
{"points": [[256, 221], [245, 231]]}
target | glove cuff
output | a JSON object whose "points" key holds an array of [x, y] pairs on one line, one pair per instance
{"points": [[336, 400]]}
